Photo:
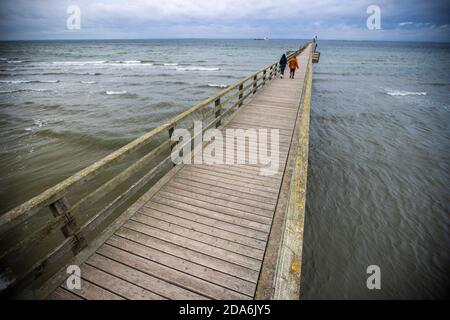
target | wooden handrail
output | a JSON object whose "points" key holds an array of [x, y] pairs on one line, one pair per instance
{"points": [[55, 197]]}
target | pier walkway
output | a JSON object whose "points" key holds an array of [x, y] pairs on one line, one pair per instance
{"points": [[207, 231]]}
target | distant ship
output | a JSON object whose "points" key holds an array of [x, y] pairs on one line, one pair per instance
{"points": [[261, 38]]}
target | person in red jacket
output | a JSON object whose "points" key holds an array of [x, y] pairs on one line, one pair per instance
{"points": [[293, 64]]}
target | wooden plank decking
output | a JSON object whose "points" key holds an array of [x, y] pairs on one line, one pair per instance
{"points": [[204, 232]]}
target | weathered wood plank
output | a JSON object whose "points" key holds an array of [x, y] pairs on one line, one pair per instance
{"points": [[284, 134], [250, 224], [235, 171], [223, 200], [255, 123], [121, 287], [199, 236], [208, 220], [203, 190], [170, 275], [132, 272], [204, 228], [198, 246], [247, 124], [259, 218], [63, 294], [232, 180], [91, 291], [265, 202], [245, 169], [200, 258], [205, 273]]}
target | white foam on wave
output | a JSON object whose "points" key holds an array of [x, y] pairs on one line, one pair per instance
{"points": [[38, 123], [102, 63], [28, 81], [88, 82], [77, 63], [47, 81], [213, 85], [126, 62], [116, 92], [400, 93], [24, 90], [198, 69], [130, 61]]}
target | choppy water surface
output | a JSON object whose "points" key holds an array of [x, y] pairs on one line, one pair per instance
{"points": [[379, 157], [378, 189]]}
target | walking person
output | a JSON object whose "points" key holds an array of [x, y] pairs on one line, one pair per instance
{"points": [[283, 63], [293, 64]]}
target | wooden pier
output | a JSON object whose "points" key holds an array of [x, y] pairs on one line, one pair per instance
{"points": [[201, 231]]}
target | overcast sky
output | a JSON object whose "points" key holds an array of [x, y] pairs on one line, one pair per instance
{"points": [[414, 20]]}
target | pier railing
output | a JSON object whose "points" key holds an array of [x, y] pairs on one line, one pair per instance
{"points": [[29, 253]]}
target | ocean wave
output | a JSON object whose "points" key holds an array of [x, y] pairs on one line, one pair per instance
{"points": [[82, 139], [116, 92], [129, 62], [88, 82], [227, 76], [121, 93], [197, 69], [162, 104], [102, 63], [12, 60], [38, 123], [404, 93], [213, 85], [170, 64], [436, 84], [69, 73], [343, 74], [50, 73], [77, 63], [28, 81], [24, 90]]}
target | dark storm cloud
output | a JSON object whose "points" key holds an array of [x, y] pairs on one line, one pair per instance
{"points": [[335, 19]]}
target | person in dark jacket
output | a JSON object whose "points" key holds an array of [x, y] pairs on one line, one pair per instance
{"points": [[283, 63]]}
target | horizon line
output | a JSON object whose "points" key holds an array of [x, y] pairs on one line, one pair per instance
{"points": [[207, 38]]}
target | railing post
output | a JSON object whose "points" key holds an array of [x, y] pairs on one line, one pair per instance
{"points": [[218, 111], [171, 129], [241, 94], [264, 77], [172, 145], [61, 207], [255, 78]]}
